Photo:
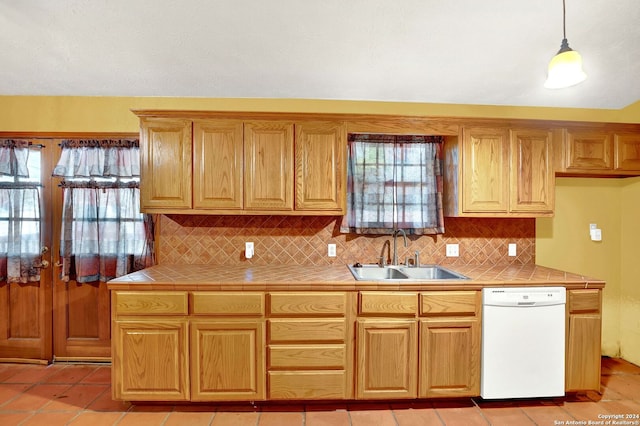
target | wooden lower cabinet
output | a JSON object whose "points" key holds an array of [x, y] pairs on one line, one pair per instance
{"points": [[367, 345], [450, 343], [227, 360], [309, 349], [584, 326], [387, 362], [449, 357], [150, 360]]}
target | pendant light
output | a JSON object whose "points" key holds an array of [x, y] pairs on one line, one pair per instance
{"points": [[565, 69]]}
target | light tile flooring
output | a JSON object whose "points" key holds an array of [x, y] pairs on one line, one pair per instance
{"points": [[73, 394]]}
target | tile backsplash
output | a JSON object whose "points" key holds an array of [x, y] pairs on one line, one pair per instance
{"points": [[300, 240]]}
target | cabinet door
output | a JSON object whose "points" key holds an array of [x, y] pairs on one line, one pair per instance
{"points": [[532, 175], [387, 362], [627, 152], [583, 341], [588, 151], [320, 166], [217, 164], [485, 171], [165, 164], [449, 357], [583, 353], [227, 360], [268, 156], [150, 360]]}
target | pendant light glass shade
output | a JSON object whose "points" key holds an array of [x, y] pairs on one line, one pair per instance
{"points": [[565, 69]]}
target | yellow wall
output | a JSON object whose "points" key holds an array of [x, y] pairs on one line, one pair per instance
{"points": [[562, 241], [112, 114], [630, 279]]}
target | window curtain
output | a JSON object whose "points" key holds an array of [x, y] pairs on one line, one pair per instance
{"points": [[394, 182], [19, 215], [104, 235]]}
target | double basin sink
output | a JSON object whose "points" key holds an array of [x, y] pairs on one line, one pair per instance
{"points": [[375, 272]]}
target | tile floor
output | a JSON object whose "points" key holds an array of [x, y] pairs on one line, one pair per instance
{"points": [[75, 394]]}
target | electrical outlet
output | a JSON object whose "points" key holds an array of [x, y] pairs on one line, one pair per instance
{"points": [[512, 250], [453, 250], [248, 250], [331, 250]]}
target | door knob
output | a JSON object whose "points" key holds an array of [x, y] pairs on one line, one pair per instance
{"points": [[42, 264]]}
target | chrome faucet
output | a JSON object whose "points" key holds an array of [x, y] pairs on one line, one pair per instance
{"points": [[383, 260], [395, 245]]}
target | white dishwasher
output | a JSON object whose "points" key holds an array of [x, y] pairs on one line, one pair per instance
{"points": [[523, 342]]}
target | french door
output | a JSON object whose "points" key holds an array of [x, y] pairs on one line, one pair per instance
{"points": [[25, 308], [81, 311], [52, 319]]}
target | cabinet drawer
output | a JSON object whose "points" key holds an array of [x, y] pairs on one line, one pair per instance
{"points": [[381, 303], [227, 303], [305, 330], [442, 303], [324, 357], [584, 301], [151, 302], [307, 385], [307, 304]]}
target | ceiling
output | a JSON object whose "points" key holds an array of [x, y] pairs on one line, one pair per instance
{"points": [[490, 52]]}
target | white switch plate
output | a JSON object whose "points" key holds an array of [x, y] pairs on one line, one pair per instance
{"points": [[512, 250], [248, 250], [331, 250], [453, 250], [594, 232]]}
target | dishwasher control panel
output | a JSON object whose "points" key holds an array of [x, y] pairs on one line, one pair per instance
{"points": [[529, 296]]}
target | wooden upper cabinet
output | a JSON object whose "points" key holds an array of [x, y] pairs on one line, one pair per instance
{"points": [[217, 164], [600, 151], [320, 151], [506, 172], [589, 150], [165, 163], [627, 151], [268, 158], [532, 174], [485, 170]]}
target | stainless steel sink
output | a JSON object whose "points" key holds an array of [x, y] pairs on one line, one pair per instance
{"points": [[432, 272], [374, 272]]}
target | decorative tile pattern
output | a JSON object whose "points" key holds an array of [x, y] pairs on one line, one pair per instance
{"points": [[219, 240]]}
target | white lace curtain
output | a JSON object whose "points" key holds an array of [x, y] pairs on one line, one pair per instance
{"points": [[104, 235], [19, 215]]}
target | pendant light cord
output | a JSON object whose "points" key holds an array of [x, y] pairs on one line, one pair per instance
{"points": [[564, 18]]}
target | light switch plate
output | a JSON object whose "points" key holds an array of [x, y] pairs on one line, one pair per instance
{"points": [[331, 250], [512, 250]]}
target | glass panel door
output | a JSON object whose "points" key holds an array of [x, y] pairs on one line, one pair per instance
{"points": [[25, 219]]}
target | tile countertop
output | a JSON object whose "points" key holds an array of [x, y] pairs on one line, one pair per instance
{"points": [[336, 277]]}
